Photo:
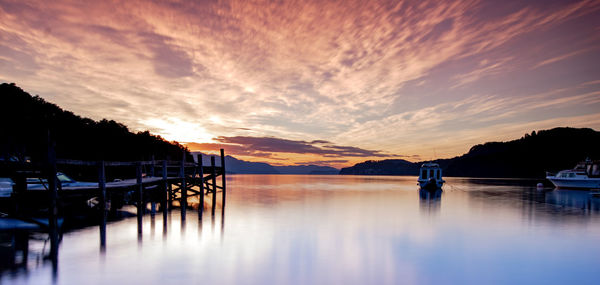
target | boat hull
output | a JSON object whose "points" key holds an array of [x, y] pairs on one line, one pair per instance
{"points": [[578, 183], [431, 184]]}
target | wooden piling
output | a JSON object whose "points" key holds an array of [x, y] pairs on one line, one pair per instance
{"points": [[103, 212], [214, 184], [169, 187], [53, 210], [223, 187], [140, 199], [165, 187], [201, 197], [183, 188], [51, 178]]}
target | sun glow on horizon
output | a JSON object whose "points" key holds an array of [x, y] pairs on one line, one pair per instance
{"points": [[175, 129]]}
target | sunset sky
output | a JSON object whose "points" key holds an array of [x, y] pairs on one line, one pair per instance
{"points": [[322, 82]]}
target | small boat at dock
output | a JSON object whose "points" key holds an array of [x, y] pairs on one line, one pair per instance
{"points": [[430, 176], [585, 175]]}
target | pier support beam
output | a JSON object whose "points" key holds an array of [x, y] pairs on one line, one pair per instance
{"points": [[103, 211], [165, 196], [53, 209], [165, 188], [140, 202], [214, 184], [183, 188], [223, 178], [201, 197]]}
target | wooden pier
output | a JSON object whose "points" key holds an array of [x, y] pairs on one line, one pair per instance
{"points": [[160, 182]]}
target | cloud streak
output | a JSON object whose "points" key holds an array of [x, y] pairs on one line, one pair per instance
{"points": [[271, 146]]}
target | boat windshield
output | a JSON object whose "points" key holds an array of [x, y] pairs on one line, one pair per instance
{"points": [[64, 178]]}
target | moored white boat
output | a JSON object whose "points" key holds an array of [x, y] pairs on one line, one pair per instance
{"points": [[586, 175], [430, 176]]}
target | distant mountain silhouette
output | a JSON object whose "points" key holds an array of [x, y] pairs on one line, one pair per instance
{"points": [[25, 121], [238, 166], [307, 169], [383, 167], [529, 156]]}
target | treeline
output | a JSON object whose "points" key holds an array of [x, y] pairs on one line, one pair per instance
{"points": [[27, 122], [528, 157]]}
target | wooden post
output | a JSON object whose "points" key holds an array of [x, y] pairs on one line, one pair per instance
{"points": [[165, 187], [183, 187], [164, 195], [140, 198], [19, 192], [53, 213], [102, 188], [153, 199], [201, 198], [214, 183], [223, 177]]}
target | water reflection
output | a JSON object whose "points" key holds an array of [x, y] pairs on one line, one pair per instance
{"points": [[22, 251], [574, 199], [14, 250], [338, 230], [430, 200]]}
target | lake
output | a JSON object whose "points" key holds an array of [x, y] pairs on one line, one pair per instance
{"points": [[303, 229]]}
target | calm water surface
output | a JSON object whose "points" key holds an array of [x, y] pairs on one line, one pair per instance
{"points": [[286, 229]]}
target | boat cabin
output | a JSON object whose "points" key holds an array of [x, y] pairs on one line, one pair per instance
{"points": [[588, 167], [430, 170]]}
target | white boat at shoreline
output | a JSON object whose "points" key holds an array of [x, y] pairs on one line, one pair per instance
{"points": [[430, 176], [585, 175]]}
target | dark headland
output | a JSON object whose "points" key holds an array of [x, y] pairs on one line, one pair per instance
{"points": [[528, 157]]}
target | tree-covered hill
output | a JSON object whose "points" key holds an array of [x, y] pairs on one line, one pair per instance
{"points": [[26, 120], [530, 156]]}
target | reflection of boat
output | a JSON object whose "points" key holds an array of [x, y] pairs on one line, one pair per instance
{"points": [[586, 175], [573, 199], [430, 176], [426, 195], [430, 200]]}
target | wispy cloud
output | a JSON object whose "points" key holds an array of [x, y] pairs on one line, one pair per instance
{"points": [[562, 57], [485, 68]]}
